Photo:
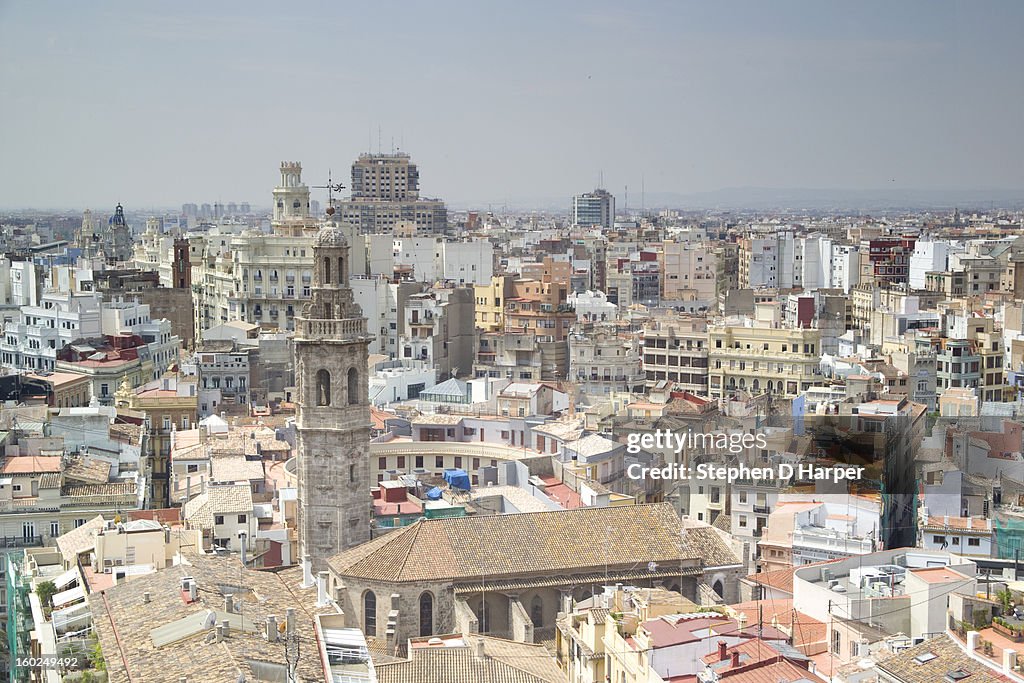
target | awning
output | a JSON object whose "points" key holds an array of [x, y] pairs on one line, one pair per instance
{"points": [[69, 596], [65, 579]]}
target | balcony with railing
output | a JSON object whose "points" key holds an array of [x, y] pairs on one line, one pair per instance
{"points": [[348, 328]]}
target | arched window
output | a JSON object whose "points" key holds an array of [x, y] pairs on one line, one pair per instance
{"points": [[327, 270], [718, 588], [323, 388], [370, 613], [353, 386], [537, 611], [426, 614]]}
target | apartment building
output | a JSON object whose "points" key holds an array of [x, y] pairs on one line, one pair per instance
{"points": [[490, 300], [386, 194], [675, 348], [602, 362], [688, 273], [169, 404], [758, 356]]}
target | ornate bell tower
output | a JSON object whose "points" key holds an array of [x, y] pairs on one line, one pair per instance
{"points": [[333, 420]]}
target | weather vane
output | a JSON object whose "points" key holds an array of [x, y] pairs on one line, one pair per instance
{"points": [[331, 188]]}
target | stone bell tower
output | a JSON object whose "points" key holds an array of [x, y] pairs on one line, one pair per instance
{"points": [[333, 420]]}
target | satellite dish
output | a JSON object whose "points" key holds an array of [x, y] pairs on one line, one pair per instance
{"points": [[211, 619], [652, 566]]}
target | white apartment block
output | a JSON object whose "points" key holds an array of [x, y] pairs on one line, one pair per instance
{"points": [[593, 306], [261, 279], [430, 259], [601, 362], [845, 271], [812, 267], [32, 339], [928, 257], [767, 261], [378, 298]]}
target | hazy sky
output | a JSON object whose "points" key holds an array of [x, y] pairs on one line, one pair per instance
{"points": [[164, 103]]}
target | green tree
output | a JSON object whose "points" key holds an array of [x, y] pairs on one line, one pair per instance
{"points": [[46, 590], [1005, 598], [96, 658]]}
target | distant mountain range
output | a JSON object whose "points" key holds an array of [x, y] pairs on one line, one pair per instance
{"points": [[767, 198]]}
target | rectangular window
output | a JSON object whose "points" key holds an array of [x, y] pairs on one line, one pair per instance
{"points": [[939, 540], [743, 521], [382, 463], [975, 542], [219, 519], [743, 496], [439, 461], [241, 519], [54, 529], [401, 462], [419, 462]]}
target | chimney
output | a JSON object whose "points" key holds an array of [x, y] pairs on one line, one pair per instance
{"points": [[478, 648], [220, 633], [242, 539], [735, 659], [271, 629], [321, 590], [945, 520], [145, 598], [226, 625], [722, 655], [228, 604], [307, 572], [289, 621], [193, 591], [188, 488]]}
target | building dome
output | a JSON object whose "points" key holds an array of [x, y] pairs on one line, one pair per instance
{"points": [[331, 236]]}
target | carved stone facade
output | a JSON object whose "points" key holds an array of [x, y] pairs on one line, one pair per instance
{"points": [[333, 417]]}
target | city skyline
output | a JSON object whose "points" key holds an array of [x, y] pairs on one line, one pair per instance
{"points": [[200, 104]]}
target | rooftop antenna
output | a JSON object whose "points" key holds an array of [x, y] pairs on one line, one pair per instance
{"points": [[641, 193], [600, 178], [378, 138]]}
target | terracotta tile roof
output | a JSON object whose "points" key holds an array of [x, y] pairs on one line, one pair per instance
{"points": [[50, 480], [230, 499], [778, 672], [675, 629], [504, 661], [124, 624], [905, 666], [197, 512], [88, 470], [526, 543], [31, 464], [232, 468], [124, 492], [79, 540], [968, 524], [780, 579]]}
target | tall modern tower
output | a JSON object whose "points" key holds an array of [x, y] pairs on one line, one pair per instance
{"points": [[331, 347], [593, 208], [386, 193]]}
